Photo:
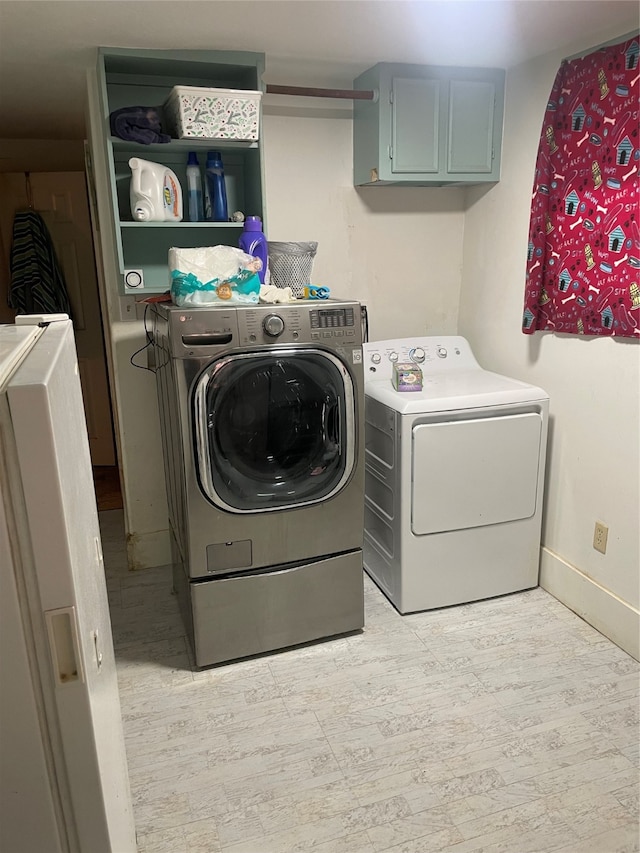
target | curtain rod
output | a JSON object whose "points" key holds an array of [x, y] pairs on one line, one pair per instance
{"points": [[347, 94]]}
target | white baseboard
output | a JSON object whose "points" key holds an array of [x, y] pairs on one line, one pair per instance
{"points": [[147, 550], [613, 617]]}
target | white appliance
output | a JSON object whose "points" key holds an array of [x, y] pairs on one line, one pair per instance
{"points": [[63, 774], [454, 476]]}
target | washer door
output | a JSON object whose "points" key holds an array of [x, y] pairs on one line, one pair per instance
{"points": [[474, 472], [274, 429]]}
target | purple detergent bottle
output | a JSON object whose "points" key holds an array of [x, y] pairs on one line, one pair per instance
{"points": [[253, 242]]}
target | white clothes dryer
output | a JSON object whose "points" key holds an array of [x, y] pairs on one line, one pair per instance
{"points": [[454, 476]]}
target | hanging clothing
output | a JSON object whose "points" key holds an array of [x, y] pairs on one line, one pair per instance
{"points": [[584, 239], [37, 283]]}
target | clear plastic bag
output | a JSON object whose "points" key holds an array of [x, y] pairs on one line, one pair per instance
{"points": [[213, 275]]}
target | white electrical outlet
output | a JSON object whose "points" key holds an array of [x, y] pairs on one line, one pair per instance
{"points": [[128, 308], [600, 534]]}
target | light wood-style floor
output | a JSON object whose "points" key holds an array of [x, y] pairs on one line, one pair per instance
{"points": [[505, 726]]}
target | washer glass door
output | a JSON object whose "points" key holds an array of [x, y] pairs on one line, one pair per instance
{"points": [[274, 429]]}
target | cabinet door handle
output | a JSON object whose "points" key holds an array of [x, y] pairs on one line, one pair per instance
{"points": [[62, 628]]}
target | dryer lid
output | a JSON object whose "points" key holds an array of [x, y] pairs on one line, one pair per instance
{"points": [[450, 391]]}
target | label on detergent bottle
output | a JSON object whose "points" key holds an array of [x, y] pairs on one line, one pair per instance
{"points": [[171, 196]]}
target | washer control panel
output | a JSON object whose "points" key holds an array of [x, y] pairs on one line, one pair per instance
{"points": [[431, 354], [332, 325], [201, 331], [273, 325]]}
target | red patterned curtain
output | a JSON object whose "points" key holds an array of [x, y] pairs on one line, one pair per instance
{"points": [[583, 260]]}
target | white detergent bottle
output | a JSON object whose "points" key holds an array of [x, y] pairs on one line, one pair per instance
{"points": [[156, 195]]}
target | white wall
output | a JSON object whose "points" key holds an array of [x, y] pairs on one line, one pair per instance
{"points": [[593, 470], [398, 250]]}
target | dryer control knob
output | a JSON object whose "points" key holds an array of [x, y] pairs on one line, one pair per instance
{"points": [[442, 353], [375, 358], [273, 325], [417, 355], [393, 356]]}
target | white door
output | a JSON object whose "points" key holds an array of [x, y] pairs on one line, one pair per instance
{"points": [[474, 472], [61, 199], [56, 559]]}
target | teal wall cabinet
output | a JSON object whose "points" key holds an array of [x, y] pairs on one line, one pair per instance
{"points": [[428, 126], [128, 78]]}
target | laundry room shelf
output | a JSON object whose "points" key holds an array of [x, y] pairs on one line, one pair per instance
{"points": [[128, 77], [180, 225], [183, 145]]}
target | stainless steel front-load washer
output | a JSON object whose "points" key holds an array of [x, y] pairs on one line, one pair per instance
{"points": [[261, 411]]}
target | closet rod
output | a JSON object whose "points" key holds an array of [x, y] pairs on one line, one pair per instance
{"points": [[348, 94]]}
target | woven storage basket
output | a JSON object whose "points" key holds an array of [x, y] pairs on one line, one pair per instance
{"points": [[194, 113]]}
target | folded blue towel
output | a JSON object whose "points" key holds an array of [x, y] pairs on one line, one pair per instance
{"points": [[138, 124]]}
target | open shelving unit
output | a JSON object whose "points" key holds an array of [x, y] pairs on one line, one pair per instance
{"points": [[129, 78]]}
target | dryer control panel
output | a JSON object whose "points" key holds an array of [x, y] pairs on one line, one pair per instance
{"points": [[431, 354]]}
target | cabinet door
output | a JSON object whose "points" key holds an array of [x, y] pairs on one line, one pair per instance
{"points": [[415, 110], [470, 131], [430, 126]]}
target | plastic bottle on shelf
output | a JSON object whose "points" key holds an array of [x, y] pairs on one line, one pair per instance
{"points": [[194, 189], [253, 242], [216, 189], [155, 192]]}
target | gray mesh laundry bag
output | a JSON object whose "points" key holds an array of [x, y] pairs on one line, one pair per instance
{"points": [[290, 265]]}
